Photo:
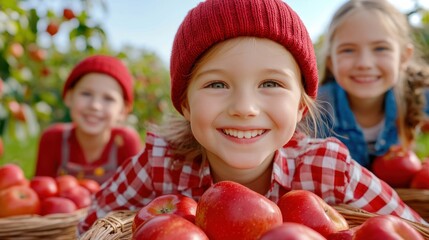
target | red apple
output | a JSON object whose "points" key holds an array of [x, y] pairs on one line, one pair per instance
{"points": [[64, 182], [171, 203], [44, 186], [53, 205], [17, 110], [424, 128], [397, 167], [167, 227], [16, 50], [79, 195], [229, 210], [36, 53], [52, 28], [291, 231], [386, 227], [342, 235], [307, 208], [92, 185], [11, 175], [421, 179], [68, 14], [45, 72], [18, 200]]}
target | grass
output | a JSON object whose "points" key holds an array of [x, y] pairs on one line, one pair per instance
{"points": [[22, 153]]}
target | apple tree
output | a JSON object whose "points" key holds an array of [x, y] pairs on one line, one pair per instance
{"points": [[40, 42]]}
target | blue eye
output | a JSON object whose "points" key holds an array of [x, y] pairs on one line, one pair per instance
{"points": [[380, 49], [346, 50], [270, 84], [87, 94], [109, 99], [216, 85]]}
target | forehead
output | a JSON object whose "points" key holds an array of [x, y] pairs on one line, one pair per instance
{"points": [[367, 25], [99, 81], [248, 51]]}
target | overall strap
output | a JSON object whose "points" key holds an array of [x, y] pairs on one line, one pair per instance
{"points": [[113, 156], [65, 148]]}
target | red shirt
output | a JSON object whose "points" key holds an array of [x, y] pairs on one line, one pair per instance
{"points": [[323, 166], [60, 152]]}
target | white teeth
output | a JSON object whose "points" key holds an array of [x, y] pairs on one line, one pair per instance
{"points": [[243, 134], [366, 79]]}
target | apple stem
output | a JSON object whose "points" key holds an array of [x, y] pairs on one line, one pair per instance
{"points": [[165, 210]]}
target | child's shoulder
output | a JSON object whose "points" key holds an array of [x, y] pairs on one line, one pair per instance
{"points": [[304, 145], [327, 91], [155, 140], [125, 131], [57, 128]]}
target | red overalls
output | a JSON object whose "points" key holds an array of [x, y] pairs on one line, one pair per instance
{"points": [[97, 173]]}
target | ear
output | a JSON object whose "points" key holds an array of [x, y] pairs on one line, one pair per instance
{"points": [[124, 113], [301, 111], [67, 98], [186, 111], [406, 56]]}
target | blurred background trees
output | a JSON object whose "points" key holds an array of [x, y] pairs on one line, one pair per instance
{"points": [[41, 40]]}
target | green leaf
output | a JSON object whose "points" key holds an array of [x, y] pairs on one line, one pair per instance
{"points": [[33, 19]]}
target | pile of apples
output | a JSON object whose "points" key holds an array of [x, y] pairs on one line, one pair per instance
{"points": [[228, 210], [42, 195], [401, 168]]}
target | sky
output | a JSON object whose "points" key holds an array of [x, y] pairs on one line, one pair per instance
{"points": [[151, 24]]}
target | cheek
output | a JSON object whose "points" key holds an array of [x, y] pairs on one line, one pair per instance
{"points": [[200, 113], [341, 68], [288, 115]]}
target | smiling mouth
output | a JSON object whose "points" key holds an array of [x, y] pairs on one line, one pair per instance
{"points": [[243, 134], [365, 79]]}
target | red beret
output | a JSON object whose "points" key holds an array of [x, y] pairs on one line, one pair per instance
{"points": [[213, 21], [107, 65]]}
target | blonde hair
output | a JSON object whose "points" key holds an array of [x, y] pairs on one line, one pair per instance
{"points": [[413, 79], [176, 130]]}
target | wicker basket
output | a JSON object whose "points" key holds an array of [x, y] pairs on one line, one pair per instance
{"points": [[417, 199], [116, 225], [356, 217], [54, 226]]}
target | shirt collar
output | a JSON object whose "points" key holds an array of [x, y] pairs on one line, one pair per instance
{"points": [[281, 173], [200, 179], [346, 117]]}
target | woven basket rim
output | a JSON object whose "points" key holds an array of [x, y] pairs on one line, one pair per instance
{"points": [[26, 226], [115, 225], [356, 216]]}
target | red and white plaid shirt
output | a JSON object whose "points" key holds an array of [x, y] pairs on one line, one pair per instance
{"points": [[323, 166]]}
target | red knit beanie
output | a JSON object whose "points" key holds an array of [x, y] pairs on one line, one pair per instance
{"points": [[103, 64], [213, 21]]}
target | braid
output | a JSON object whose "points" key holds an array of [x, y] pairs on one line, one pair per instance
{"points": [[416, 82]]}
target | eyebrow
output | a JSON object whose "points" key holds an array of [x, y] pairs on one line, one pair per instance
{"points": [[208, 71], [287, 72]]}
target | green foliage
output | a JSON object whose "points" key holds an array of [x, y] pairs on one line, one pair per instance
{"points": [[34, 65]]}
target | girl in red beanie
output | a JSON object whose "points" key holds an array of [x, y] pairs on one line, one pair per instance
{"points": [[98, 93], [244, 79]]}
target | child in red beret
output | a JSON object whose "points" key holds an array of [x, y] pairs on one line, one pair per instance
{"points": [[98, 93], [244, 79]]}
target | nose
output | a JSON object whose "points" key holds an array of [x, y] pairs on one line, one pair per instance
{"points": [[364, 59], [95, 103], [244, 104]]}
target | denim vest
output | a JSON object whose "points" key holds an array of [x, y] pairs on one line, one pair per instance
{"points": [[342, 124]]}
